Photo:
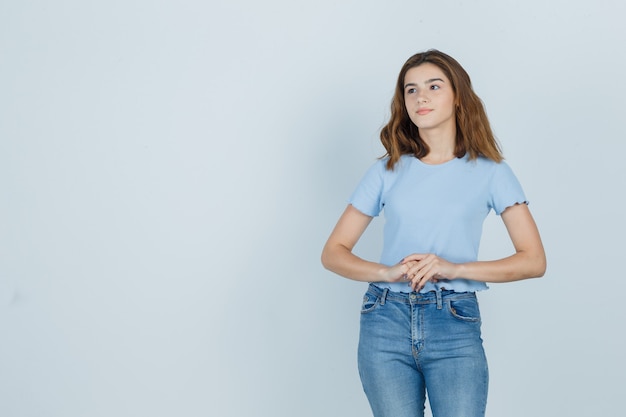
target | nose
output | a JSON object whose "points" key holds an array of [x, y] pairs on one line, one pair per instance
{"points": [[421, 96]]}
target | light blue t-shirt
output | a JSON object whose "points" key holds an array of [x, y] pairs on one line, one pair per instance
{"points": [[437, 209]]}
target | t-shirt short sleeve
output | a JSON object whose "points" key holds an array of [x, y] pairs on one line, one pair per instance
{"points": [[367, 197], [505, 189]]}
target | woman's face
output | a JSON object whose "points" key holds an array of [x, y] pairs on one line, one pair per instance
{"points": [[429, 98]]}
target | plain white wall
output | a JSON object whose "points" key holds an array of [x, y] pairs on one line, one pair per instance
{"points": [[169, 172]]}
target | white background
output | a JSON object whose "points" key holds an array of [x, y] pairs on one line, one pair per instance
{"points": [[170, 170]]}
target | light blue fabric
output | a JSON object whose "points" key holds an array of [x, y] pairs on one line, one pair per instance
{"points": [[436, 209]]}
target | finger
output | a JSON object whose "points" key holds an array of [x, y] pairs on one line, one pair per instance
{"points": [[423, 277], [416, 274], [419, 269], [412, 268], [415, 257], [415, 280], [423, 282], [404, 272]]}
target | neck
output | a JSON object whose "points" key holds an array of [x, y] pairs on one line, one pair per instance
{"points": [[441, 143]]}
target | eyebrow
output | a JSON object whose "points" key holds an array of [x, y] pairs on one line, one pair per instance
{"points": [[432, 80]]}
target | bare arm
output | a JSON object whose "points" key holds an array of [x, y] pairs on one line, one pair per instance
{"points": [[337, 254], [528, 261]]}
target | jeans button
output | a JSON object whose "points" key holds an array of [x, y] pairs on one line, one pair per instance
{"points": [[413, 296]]}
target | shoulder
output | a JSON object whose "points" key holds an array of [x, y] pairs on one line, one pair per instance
{"points": [[483, 162], [380, 166], [489, 165], [404, 162]]}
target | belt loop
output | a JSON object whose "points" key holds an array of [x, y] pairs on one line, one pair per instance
{"points": [[438, 294], [384, 296]]}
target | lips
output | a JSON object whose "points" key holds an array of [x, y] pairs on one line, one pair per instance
{"points": [[423, 112]]}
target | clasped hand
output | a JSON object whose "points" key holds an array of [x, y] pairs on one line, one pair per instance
{"points": [[418, 269]]}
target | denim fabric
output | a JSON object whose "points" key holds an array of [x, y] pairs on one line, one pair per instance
{"points": [[412, 344]]}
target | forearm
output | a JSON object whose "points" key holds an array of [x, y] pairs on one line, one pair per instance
{"points": [[342, 261], [529, 260], [521, 265]]}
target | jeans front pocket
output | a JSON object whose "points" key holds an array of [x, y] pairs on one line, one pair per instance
{"points": [[465, 308], [370, 302]]}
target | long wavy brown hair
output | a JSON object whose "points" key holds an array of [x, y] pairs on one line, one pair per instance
{"points": [[473, 132]]}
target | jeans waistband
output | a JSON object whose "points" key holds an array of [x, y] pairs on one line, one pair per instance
{"points": [[416, 297]]}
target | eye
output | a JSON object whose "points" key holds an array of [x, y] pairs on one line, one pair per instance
{"points": [[410, 90], [434, 87]]}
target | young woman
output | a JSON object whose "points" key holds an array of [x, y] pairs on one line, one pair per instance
{"points": [[442, 174]]}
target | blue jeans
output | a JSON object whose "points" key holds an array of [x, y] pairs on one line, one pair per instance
{"points": [[413, 344]]}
